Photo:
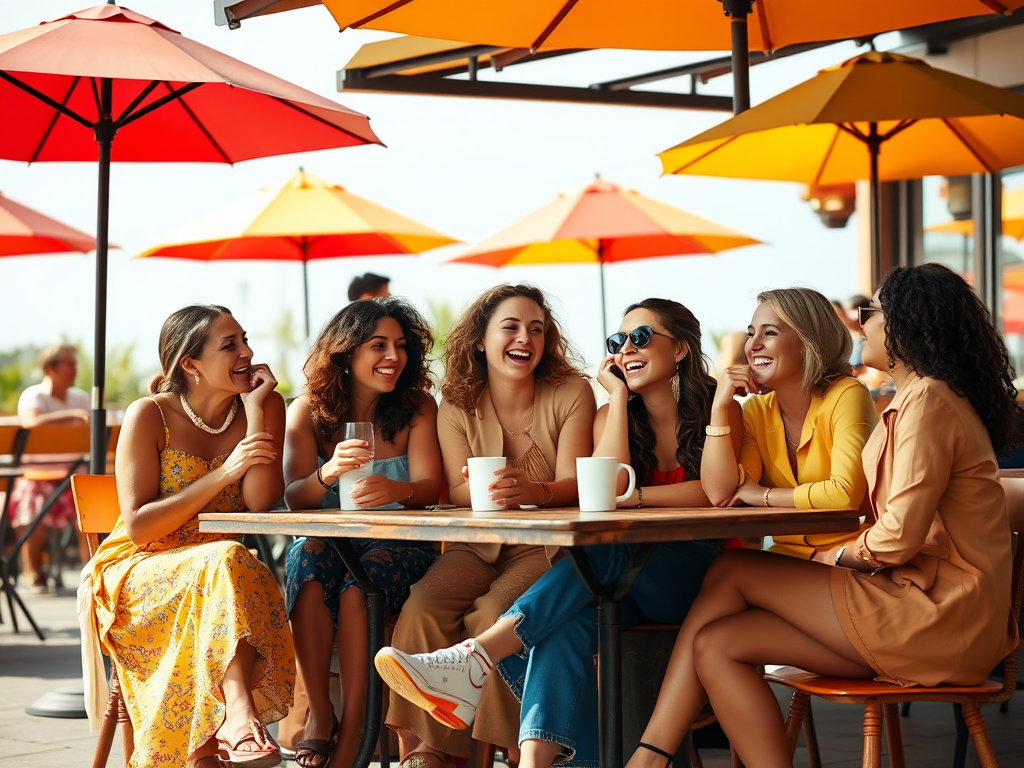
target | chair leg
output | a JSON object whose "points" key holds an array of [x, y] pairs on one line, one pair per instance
{"points": [[695, 761], [106, 737], [127, 729], [976, 727], [960, 750], [481, 755], [872, 734], [894, 735], [811, 738], [905, 710], [797, 711]]}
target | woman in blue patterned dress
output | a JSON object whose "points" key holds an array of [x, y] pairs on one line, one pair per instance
{"points": [[368, 364]]}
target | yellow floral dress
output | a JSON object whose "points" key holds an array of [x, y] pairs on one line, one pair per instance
{"points": [[171, 613]]}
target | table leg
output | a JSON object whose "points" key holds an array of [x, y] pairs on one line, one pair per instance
{"points": [[375, 617], [609, 644]]}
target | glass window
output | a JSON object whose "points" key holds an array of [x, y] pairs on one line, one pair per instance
{"points": [[1012, 252]]}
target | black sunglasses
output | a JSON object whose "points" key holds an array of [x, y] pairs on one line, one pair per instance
{"points": [[640, 336], [864, 314]]}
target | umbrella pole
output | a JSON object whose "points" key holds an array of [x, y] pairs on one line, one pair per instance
{"points": [[874, 143], [305, 285], [104, 129], [737, 11], [604, 313]]}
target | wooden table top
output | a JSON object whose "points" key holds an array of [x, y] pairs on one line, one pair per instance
{"points": [[552, 527]]}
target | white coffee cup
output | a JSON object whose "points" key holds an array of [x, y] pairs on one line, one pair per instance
{"points": [[595, 477], [481, 475]]}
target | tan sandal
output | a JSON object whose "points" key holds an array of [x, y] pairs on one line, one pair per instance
{"points": [[427, 760], [267, 756]]}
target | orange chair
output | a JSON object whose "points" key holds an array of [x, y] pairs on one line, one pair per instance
{"points": [[98, 510], [881, 700]]}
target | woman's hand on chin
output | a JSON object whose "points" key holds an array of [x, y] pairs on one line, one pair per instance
{"points": [[261, 384], [735, 380], [611, 377]]}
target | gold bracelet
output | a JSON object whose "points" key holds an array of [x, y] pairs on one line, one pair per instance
{"points": [[550, 498], [320, 477], [766, 492]]}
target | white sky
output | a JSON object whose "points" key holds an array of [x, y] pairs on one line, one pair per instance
{"points": [[465, 167]]}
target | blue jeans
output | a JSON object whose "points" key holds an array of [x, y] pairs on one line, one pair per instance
{"points": [[556, 619]]}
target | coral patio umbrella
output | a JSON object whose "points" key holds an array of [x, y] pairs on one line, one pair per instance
{"points": [[832, 128], [308, 218], [663, 25], [24, 231], [602, 223], [109, 84]]}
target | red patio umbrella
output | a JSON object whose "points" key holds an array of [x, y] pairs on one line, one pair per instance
{"points": [[109, 84], [24, 231]]}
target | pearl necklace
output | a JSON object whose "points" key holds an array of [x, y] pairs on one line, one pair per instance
{"points": [[199, 422]]}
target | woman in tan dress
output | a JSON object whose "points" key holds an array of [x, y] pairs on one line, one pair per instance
{"points": [[512, 388], [890, 607]]}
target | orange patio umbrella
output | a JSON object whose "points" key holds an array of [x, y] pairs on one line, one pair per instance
{"points": [[24, 231], [1013, 219], [599, 224], [664, 25], [108, 84], [308, 218], [831, 129]]}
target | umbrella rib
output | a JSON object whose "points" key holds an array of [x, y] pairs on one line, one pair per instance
{"points": [[762, 23], [853, 131], [553, 24], [45, 99], [828, 155], [138, 100], [178, 94], [126, 118], [902, 126], [318, 118], [382, 12], [713, 149], [53, 122], [963, 140]]}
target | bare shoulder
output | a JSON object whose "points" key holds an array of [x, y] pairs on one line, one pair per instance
{"points": [[298, 411], [144, 420]]}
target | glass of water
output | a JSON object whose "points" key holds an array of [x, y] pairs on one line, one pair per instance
{"points": [[355, 430], [360, 430]]}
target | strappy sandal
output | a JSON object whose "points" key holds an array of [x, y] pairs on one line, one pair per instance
{"points": [[265, 757], [210, 761], [427, 760], [307, 749], [658, 751]]}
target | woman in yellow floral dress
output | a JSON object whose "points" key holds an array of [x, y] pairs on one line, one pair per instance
{"points": [[195, 625]]}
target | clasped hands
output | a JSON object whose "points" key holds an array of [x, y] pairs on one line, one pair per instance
{"points": [[512, 489]]}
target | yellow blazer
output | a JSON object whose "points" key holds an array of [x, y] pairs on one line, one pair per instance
{"points": [[828, 459]]}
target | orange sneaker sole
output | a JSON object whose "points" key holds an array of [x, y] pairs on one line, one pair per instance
{"points": [[442, 710]]}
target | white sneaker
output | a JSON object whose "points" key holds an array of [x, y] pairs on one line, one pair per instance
{"points": [[446, 683]]}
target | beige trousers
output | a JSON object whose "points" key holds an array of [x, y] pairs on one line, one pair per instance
{"points": [[459, 597]]}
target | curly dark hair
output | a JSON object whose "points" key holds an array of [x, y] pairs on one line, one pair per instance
{"points": [[465, 367], [937, 326], [696, 392], [328, 385]]}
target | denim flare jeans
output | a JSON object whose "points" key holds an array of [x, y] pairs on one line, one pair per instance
{"points": [[556, 620]]}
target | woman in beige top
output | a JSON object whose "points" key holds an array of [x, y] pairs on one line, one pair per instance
{"points": [[512, 388], [892, 605]]}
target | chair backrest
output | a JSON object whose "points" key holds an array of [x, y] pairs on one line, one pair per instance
{"points": [[57, 439], [1014, 488], [8, 439], [96, 505]]}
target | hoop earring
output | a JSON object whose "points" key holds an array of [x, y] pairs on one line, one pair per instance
{"points": [[197, 378]]}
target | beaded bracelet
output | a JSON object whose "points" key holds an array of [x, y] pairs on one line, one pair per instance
{"points": [[639, 497]]}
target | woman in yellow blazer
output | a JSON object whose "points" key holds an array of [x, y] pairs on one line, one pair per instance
{"points": [[804, 426], [892, 606]]}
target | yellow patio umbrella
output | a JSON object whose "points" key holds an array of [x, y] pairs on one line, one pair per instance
{"points": [[660, 25], [831, 129], [308, 218], [1013, 219], [598, 224]]}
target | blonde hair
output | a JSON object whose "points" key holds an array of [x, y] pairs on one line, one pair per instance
{"points": [[824, 341]]}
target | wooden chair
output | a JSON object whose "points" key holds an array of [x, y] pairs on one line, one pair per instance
{"points": [[881, 700], [98, 510]]}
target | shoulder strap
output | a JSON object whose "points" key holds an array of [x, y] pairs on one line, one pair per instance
{"points": [[167, 432]]}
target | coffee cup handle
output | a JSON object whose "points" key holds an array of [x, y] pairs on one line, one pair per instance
{"points": [[632, 483]]}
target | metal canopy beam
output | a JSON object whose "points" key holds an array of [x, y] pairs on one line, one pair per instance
{"points": [[356, 80]]}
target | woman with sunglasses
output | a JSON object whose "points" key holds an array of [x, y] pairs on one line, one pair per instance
{"points": [[939, 549], [805, 426], [512, 388], [660, 401]]}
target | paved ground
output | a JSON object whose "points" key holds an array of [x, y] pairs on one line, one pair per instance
{"points": [[29, 669]]}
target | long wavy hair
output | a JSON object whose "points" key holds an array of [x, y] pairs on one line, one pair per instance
{"points": [[465, 367], [329, 384], [183, 334], [938, 327], [825, 343], [696, 392]]}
